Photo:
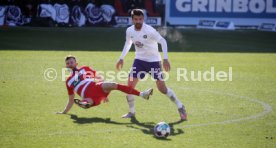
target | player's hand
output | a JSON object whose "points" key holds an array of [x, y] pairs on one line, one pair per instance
{"points": [[120, 64], [166, 65]]}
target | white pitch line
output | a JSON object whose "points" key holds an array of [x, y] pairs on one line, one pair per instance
{"points": [[266, 109]]}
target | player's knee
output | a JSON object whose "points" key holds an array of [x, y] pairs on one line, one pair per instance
{"points": [[109, 85], [113, 85], [162, 89]]}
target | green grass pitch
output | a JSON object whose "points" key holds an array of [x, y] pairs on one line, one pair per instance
{"points": [[240, 113]]}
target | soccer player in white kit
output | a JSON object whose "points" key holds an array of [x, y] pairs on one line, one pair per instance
{"points": [[147, 60]]}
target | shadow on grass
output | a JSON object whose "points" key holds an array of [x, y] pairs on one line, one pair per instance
{"points": [[84, 120], [145, 127], [148, 128]]}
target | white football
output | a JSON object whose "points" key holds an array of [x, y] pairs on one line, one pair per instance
{"points": [[162, 129]]}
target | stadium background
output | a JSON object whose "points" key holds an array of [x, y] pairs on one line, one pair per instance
{"points": [[179, 25], [212, 14]]}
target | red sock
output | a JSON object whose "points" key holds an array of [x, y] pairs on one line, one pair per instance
{"points": [[127, 89]]}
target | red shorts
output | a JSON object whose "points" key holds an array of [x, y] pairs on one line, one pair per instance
{"points": [[96, 93]]}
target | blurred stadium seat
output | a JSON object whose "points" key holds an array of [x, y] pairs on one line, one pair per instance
{"points": [[119, 8]]}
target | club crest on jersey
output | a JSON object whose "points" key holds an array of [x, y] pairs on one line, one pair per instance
{"points": [[145, 36], [139, 44]]}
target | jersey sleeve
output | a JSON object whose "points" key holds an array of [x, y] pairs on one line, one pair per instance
{"points": [[89, 71], [70, 90], [128, 38], [127, 45], [155, 35]]}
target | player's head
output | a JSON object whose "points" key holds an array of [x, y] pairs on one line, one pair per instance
{"points": [[71, 62], [137, 16]]}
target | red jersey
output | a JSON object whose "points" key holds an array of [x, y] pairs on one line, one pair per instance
{"points": [[79, 80]]}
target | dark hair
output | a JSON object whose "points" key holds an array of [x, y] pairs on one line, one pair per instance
{"points": [[137, 12], [69, 57]]}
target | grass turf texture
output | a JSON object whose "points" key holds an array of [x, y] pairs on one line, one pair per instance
{"points": [[28, 101]]}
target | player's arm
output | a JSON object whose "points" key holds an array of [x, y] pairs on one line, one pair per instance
{"points": [[126, 49], [71, 96], [158, 38], [69, 104], [99, 78], [96, 76], [164, 46]]}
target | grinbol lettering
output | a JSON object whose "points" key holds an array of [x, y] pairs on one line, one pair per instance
{"points": [[238, 6]]}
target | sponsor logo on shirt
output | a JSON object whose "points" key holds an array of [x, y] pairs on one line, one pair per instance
{"points": [[139, 44]]}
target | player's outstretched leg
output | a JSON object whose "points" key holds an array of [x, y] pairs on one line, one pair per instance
{"points": [[109, 86], [167, 91], [181, 107]]}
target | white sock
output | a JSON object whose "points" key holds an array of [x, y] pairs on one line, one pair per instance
{"points": [[173, 98], [130, 101]]}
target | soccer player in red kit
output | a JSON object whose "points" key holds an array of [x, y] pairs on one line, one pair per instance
{"points": [[83, 81]]}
